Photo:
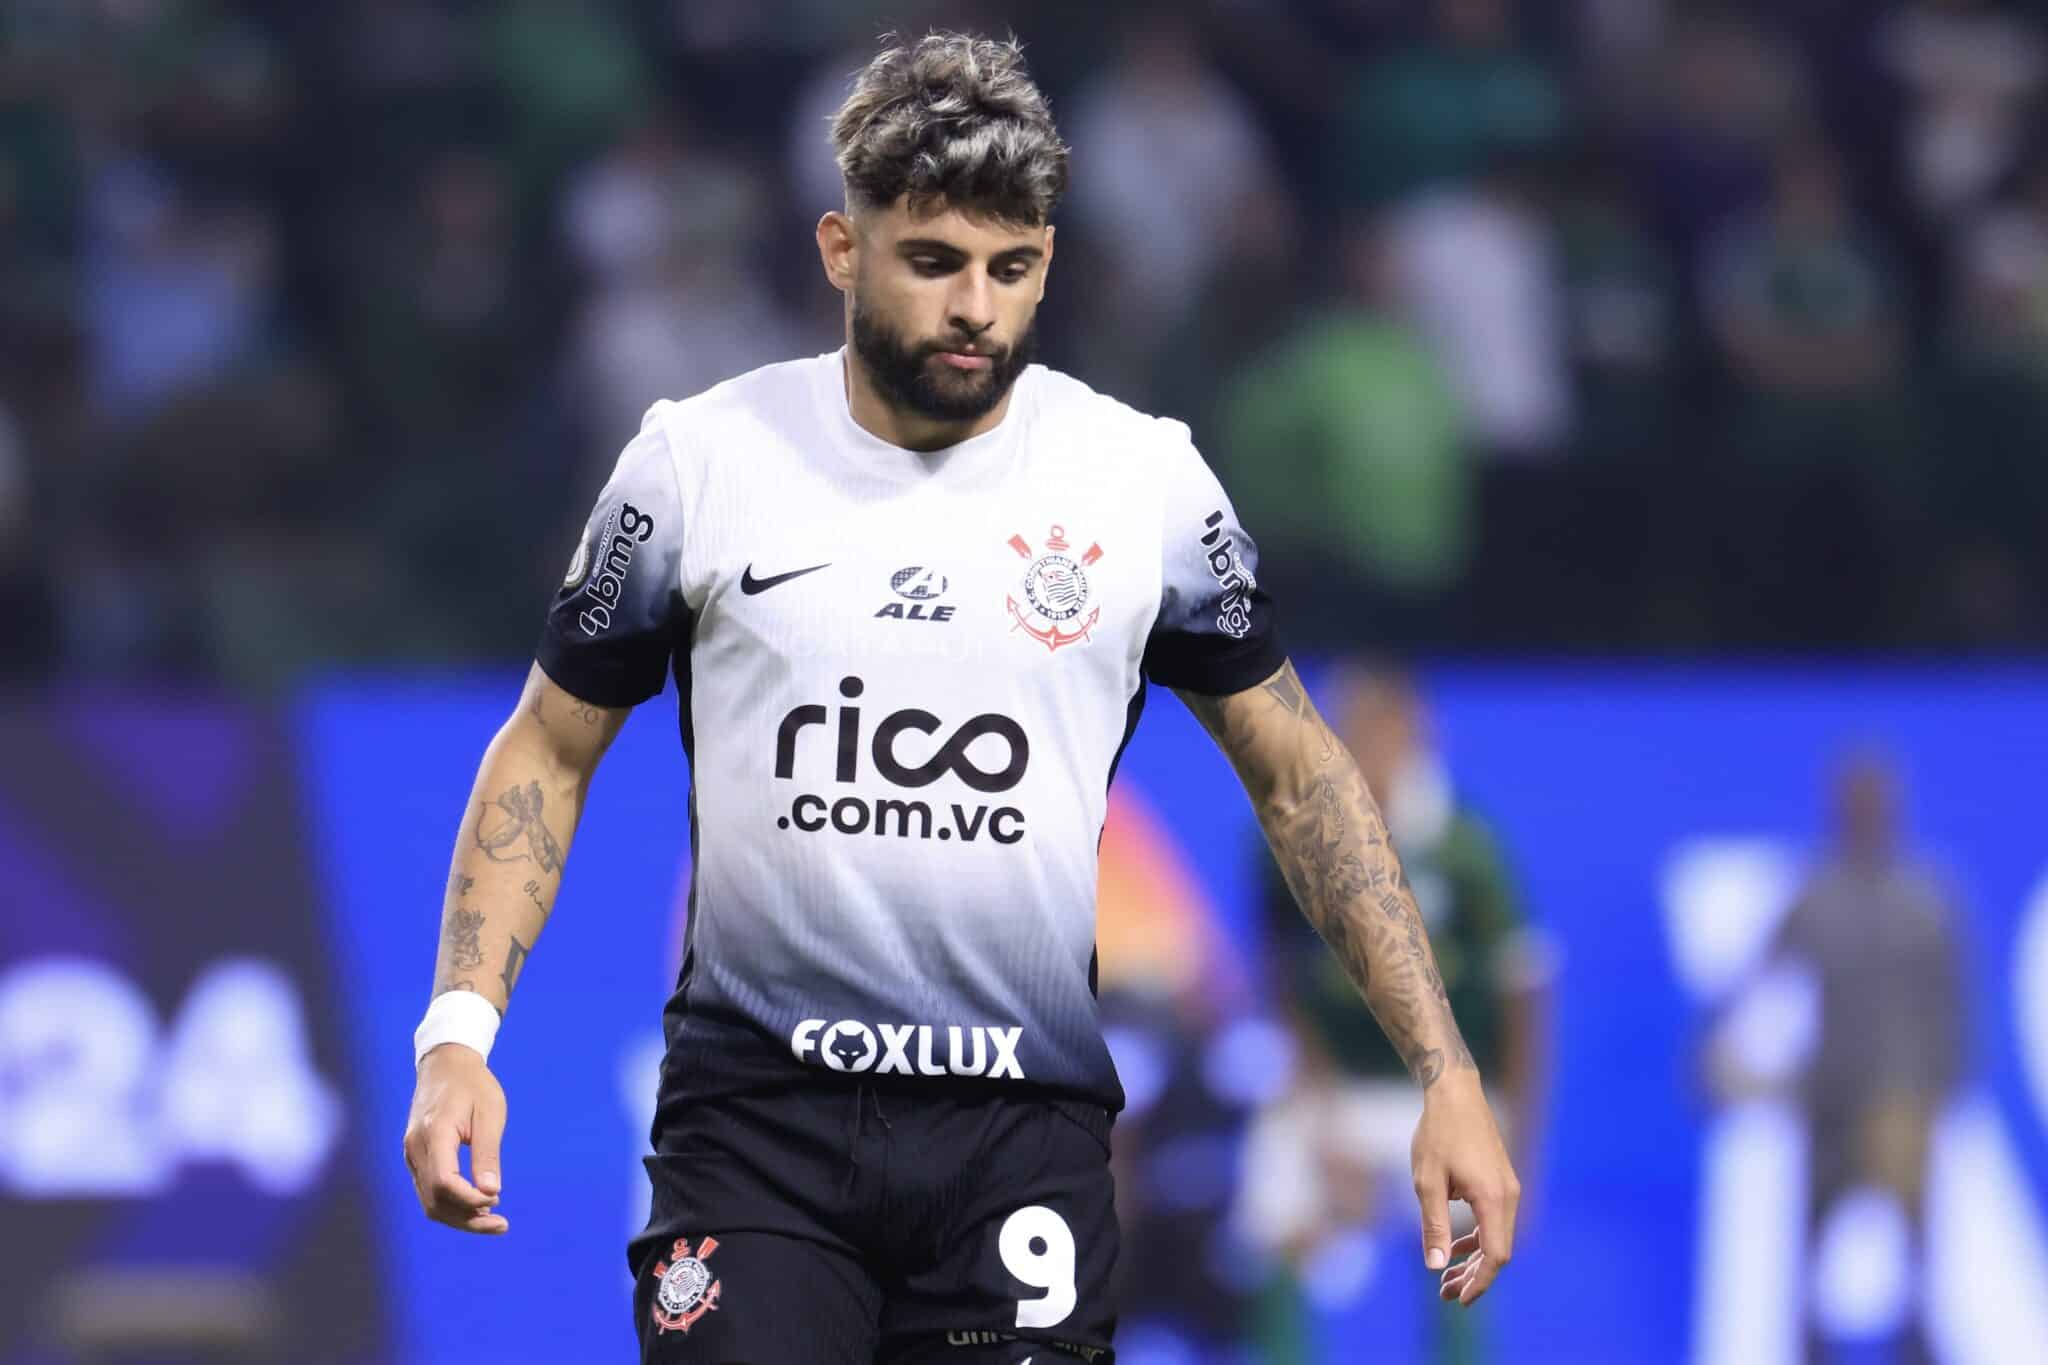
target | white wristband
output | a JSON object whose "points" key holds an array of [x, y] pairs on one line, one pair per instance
{"points": [[456, 1017]]}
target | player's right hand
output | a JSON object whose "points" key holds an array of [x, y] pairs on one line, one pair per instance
{"points": [[456, 1101]]}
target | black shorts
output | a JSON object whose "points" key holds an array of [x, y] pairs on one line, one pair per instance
{"points": [[836, 1220]]}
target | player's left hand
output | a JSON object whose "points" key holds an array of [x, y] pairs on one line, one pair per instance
{"points": [[1457, 1154]]}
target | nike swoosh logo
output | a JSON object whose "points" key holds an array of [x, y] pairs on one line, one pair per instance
{"points": [[751, 585]]}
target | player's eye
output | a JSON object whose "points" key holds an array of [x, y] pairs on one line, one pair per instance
{"points": [[1013, 272], [929, 265]]}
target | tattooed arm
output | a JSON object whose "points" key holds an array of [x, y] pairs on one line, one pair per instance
{"points": [[515, 837], [1331, 843], [1327, 835], [508, 866]]}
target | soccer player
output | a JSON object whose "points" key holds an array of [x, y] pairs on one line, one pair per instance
{"points": [[912, 593]]}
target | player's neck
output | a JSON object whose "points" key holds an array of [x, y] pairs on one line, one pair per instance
{"points": [[909, 430]]}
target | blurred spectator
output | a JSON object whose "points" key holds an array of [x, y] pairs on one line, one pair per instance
{"points": [[1636, 552], [1477, 271], [1240, 309], [1874, 931], [410, 69], [448, 323], [667, 229], [1804, 305], [1802, 299], [443, 318], [698, 319], [810, 167], [1330, 1158], [177, 292], [1971, 68], [1446, 107], [1623, 310], [623, 212], [1344, 446], [1989, 392], [571, 75], [663, 186], [1171, 150], [1618, 41], [1725, 88], [2001, 308]]}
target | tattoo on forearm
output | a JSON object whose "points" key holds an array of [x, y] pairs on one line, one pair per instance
{"points": [[532, 889], [465, 939], [580, 709], [511, 829], [514, 957], [1333, 849], [458, 885]]}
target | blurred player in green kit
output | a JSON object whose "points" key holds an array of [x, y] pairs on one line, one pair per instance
{"points": [[1327, 1162]]}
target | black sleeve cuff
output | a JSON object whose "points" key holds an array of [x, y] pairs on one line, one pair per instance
{"points": [[1213, 665], [609, 680]]}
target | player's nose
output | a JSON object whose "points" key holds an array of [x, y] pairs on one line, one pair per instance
{"points": [[972, 307]]}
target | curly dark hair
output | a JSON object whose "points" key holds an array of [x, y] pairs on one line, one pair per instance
{"points": [[955, 119]]}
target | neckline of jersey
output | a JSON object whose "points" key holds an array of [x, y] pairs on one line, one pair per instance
{"points": [[976, 454]]}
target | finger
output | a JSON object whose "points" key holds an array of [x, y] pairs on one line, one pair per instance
{"points": [[420, 1164], [1434, 1197], [1474, 1290], [1495, 1211], [487, 1132], [1496, 1233], [1478, 1280], [447, 1191], [489, 1224], [1465, 1245], [1455, 1279]]}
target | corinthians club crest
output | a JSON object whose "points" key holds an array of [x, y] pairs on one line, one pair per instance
{"points": [[686, 1292], [1055, 610]]}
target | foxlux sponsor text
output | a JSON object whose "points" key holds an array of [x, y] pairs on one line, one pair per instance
{"points": [[910, 1049]]}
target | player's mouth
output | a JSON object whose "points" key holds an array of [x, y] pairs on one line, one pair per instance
{"points": [[967, 360]]}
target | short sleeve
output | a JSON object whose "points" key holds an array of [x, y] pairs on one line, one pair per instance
{"points": [[619, 612], [1215, 633]]}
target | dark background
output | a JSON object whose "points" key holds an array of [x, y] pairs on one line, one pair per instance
{"points": [[1593, 326]]}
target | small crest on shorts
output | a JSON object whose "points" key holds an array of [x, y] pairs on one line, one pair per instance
{"points": [[1056, 608], [686, 1291]]}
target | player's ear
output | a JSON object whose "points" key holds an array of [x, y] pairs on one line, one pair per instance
{"points": [[837, 244], [1045, 266]]}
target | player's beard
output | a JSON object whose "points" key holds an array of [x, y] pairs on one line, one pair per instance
{"points": [[908, 380]]}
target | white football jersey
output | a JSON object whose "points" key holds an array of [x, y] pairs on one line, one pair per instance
{"points": [[906, 679]]}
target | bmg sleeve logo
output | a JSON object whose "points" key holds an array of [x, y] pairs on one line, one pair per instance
{"points": [[624, 531]]}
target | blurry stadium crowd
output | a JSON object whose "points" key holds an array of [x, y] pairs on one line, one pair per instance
{"points": [[1611, 324]]}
